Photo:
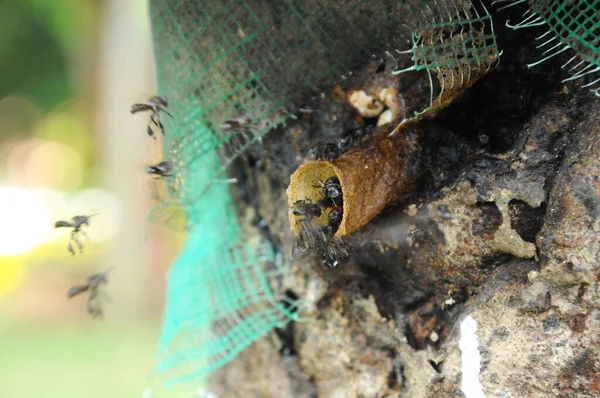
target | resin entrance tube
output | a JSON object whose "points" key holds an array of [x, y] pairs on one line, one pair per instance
{"points": [[371, 179]]}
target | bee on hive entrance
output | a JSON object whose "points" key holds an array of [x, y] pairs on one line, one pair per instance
{"points": [[334, 220], [156, 105], [94, 306], [325, 151], [331, 190], [307, 209], [352, 138], [76, 223]]}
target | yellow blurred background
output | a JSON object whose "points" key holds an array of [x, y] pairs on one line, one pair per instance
{"points": [[69, 70]]}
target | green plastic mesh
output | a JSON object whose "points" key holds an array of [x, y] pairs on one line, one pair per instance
{"points": [[572, 25], [255, 62], [218, 296], [459, 47]]}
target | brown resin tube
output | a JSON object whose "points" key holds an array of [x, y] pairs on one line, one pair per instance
{"points": [[371, 179]]}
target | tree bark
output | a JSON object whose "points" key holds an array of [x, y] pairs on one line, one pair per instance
{"points": [[502, 223]]}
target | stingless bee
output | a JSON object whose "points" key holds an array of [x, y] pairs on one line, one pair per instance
{"points": [[334, 219], [161, 169], [94, 306], [76, 223], [167, 211], [306, 208], [156, 105], [325, 151], [331, 190]]}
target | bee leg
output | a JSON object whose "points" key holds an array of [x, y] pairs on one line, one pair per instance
{"points": [[70, 248], [150, 132], [162, 108], [74, 239], [93, 305], [155, 119]]}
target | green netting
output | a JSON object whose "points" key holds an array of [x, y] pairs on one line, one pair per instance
{"points": [[218, 298], [256, 61], [459, 47], [572, 25]]}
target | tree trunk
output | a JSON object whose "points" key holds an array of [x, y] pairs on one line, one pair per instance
{"points": [[500, 221]]}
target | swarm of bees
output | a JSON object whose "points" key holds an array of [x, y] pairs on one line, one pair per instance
{"points": [[322, 239], [156, 106]]}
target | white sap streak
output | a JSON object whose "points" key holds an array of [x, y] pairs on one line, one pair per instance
{"points": [[470, 359]]}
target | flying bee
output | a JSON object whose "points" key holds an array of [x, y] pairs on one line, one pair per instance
{"points": [[167, 211], [76, 223], [161, 169], [240, 133], [332, 250], [336, 253], [156, 105], [331, 189], [307, 209], [94, 306], [160, 172], [311, 237], [237, 123]]}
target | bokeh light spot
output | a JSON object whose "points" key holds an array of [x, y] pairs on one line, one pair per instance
{"points": [[53, 165], [12, 273], [38, 163], [25, 220], [68, 125]]}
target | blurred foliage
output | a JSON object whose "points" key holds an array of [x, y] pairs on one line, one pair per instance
{"points": [[80, 359], [37, 38]]}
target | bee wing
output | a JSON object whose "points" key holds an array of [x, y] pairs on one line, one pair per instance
{"points": [[158, 189], [170, 214], [135, 108], [311, 237], [298, 250], [75, 290], [60, 224]]}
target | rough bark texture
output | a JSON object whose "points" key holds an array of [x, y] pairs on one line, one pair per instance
{"points": [[503, 224]]}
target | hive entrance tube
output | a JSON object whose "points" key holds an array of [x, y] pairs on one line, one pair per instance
{"points": [[304, 185], [371, 179]]}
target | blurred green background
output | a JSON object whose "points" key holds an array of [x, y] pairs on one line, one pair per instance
{"points": [[69, 70]]}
